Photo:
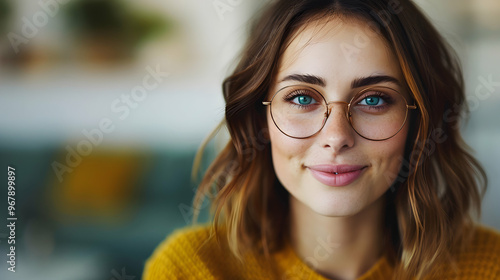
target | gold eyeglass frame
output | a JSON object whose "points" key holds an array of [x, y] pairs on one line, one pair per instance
{"points": [[347, 112]]}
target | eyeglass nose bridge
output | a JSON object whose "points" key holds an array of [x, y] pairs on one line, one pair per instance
{"points": [[329, 108]]}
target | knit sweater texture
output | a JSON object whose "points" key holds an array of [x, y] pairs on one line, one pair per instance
{"points": [[192, 253]]}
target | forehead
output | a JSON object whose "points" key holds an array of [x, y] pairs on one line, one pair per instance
{"points": [[338, 49]]}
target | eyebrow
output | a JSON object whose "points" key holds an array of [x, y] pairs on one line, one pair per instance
{"points": [[356, 83], [372, 80], [305, 78]]}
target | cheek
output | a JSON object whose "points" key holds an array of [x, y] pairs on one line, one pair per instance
{"points": [[287, 155], [389, 156]]}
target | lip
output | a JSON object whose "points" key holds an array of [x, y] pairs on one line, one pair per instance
{"points": [[336, 175]]}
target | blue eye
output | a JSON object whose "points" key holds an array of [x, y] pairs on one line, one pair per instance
{"points": [[304, 100], [372, 101]]}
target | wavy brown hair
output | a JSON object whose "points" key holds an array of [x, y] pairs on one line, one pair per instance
{"points": [[429, 211]]}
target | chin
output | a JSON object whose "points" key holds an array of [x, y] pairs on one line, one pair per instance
{"points": [[330, 210], [331, 205], [341, 202]]}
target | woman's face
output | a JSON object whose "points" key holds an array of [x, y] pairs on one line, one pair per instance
{"points": [[338, 53]]}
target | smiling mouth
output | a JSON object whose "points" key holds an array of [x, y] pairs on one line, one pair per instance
{"points": [[336, 175]]}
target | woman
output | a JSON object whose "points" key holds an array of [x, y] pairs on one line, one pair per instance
{"points": [[345, 161]]}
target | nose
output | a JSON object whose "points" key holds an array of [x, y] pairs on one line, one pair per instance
{"points": [[337, 133]]}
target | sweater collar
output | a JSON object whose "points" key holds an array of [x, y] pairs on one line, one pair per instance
{"points": [[293, 267]]}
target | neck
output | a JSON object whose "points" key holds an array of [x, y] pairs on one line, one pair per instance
{"points": [[338, 247]]}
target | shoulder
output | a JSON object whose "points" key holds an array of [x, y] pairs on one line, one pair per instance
{"points": [[486, 243], [196, 253], [489, 234], [183, 254], [481, 258], [186, 238]]}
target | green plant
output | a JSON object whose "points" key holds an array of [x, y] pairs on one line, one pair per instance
{"points": [[5, 13], [115, 19]]}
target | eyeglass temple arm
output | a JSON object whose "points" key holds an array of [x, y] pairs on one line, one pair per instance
{"points": [[266, 103]]}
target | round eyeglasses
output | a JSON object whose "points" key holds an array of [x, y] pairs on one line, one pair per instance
{"points": [[375, 113]]}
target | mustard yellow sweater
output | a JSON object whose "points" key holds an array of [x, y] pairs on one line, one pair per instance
{"points": [[191, 254]]}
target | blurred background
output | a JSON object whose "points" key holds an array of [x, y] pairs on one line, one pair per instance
{"points": [[103, 104]]}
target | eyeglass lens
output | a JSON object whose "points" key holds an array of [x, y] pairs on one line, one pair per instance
{"points": [[376, 113]]}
